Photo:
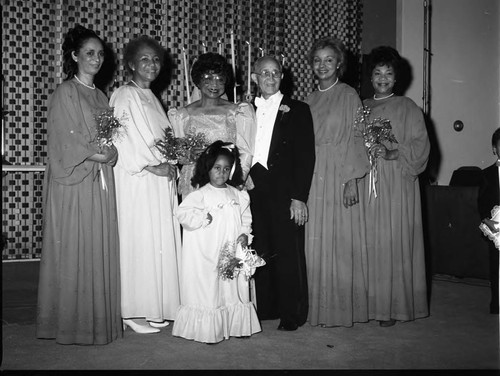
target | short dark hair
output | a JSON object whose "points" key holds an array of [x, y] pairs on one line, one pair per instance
{"points": [[74, 39], [384, 55], [336, 45], [495, 137], [207, 160], [210, 63], [134, 45]]}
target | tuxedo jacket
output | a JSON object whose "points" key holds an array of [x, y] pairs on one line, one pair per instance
{"points": [[489, 194], [291, 152]]}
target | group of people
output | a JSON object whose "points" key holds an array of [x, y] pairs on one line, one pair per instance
{"points": [[284, 177]]}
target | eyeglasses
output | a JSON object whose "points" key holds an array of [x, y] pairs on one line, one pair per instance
{"points": [[208, 78], [268, 74]]}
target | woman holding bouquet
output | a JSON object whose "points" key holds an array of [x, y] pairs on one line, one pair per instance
{"points": [[146, 197], [335, 233], [213, 116], [396, 267], [79, 286]]}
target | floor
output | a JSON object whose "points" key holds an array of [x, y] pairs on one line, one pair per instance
{"points": [[459, 334]]}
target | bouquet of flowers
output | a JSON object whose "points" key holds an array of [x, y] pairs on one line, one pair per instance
{"points": [[107, 126], [494, 237], [374, 132], [233, 259], [180, 148]]}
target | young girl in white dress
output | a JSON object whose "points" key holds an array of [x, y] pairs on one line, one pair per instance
{"points": [[214, 308]]}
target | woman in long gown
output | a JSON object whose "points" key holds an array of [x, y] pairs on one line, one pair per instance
{"points": [[214, 116], [146, 197], [214, 308], [79, 286], [335, 233], [396, 266]]}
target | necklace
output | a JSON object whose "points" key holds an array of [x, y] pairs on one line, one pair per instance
{"points": [[379, 99], [84, 84], [329, 87], [135, 83]]}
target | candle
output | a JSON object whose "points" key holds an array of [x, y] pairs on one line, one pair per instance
{"points": [[233, 64], [186, 75], [283, 60], [219, 47], [204, 47], [261, 52], [249, 83]]}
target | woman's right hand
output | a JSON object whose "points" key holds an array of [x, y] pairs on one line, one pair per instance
{"points": [[351, 193]]}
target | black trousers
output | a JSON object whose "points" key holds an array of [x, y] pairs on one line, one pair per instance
{"points": [[281, 285], [494, 259]]}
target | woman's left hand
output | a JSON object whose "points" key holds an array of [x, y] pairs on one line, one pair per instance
{"points": [[351, 196], [164, 169], [380, 151]]}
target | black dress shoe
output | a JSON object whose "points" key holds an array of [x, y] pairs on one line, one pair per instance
{"points": [[287, 326]]}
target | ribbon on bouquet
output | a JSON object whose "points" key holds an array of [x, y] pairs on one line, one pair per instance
{"points": [[372, 178]]}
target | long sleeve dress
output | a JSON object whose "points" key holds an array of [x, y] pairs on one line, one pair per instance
{"points": [[397, 280], [335, 236], [150, 241], [237, 126], [213, 309], [79, 286]]}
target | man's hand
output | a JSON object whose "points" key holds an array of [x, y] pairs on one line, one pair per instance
{"points": [[298, 211]]}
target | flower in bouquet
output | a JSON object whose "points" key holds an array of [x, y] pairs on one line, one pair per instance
{"points": [[180, 148], [228, 265], [493, 236], [107, 127], [374, 132]]}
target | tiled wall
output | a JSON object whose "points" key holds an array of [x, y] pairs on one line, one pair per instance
{"points": [[32, 35]]}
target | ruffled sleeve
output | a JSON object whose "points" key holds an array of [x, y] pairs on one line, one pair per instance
{"points": [[135, 142], [191, 212], [413, 150], [178, 118], [69, 138], [246, 126]]}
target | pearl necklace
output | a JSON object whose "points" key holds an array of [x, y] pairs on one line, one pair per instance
{"points": [[84, 84], [379, 99], [135, 83], [329, 87]]}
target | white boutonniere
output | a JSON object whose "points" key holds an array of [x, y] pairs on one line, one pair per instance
{"points": [[284, 108]]}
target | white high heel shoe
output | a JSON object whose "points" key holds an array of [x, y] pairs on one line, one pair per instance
{"points": [[142, 329], [156, 324]]}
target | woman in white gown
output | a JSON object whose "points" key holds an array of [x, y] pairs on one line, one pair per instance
{"points": [[214, 116], [215, 216], [146, 197]]}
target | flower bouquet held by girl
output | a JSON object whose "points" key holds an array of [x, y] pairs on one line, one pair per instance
{"points": [[494, 237], [374, 132]]}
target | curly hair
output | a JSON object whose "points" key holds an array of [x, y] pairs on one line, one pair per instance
{"points": [[208, 158], [210, 63], [384, 55], [135, 45], [336, 45], [496, 137], [74, 39]]}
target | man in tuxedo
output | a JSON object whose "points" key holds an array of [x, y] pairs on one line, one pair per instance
{"points": [[489, 196], [282, 169]]}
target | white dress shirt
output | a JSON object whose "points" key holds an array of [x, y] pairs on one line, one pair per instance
{"points": [[266, 113]]}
